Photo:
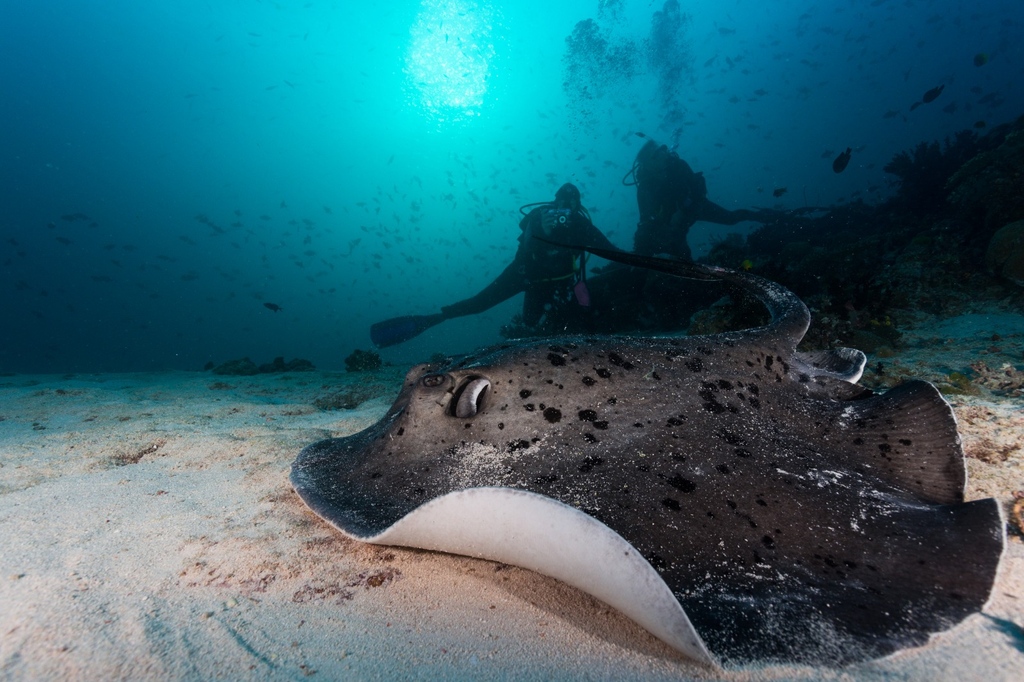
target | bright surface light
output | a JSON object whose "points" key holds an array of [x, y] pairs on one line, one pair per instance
{"points": [[449, 57]]}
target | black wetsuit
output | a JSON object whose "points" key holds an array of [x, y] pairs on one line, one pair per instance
{"points": [[546, 273], [671, 200]]}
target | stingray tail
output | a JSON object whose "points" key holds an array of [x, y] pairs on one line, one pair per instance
{"points": [[790, 317]]}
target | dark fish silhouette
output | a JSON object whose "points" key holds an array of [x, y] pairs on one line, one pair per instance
{"points": [[779, 191], [740, 499], [980, 59], [932, 94], [272, 306], [839, 165]]}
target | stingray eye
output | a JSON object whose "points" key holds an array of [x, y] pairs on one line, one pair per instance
{"points": [[469, 397], [433, 380]]}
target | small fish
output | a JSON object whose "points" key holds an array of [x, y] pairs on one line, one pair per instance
{"points": [[980, 124], [932, 94], [778, 192], [839, 165], [273, 306], [639, 134], [980, 59]]}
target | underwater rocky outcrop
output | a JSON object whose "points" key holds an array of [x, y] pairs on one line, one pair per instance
{"points": [[932, 248], [990, 186]]}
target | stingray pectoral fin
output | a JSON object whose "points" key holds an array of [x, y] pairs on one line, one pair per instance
{"points": [[908, 436], [536, 532]]}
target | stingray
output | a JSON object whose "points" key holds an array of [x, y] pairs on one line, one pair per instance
{"points": [[742, 501]]}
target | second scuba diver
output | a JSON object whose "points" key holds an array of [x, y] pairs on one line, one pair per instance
{"points": [[671, 197]]}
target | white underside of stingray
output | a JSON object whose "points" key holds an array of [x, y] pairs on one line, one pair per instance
{"points": [[541, 534]]}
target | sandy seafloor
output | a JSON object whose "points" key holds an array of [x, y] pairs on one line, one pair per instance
{"points": [[149, 531]]}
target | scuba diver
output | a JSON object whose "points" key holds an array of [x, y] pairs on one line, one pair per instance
{"points": [[671, 198], [553, 277]]}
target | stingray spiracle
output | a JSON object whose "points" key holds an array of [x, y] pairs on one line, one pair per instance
{"points": [[470, 397]]}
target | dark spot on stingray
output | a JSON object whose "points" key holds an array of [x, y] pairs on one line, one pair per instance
{"points": [[884, 447], [678, 458], [544, 480], [755, 403], [670, 503], [501, 426], [553, 415], [587, 415], [612, 400], [723, 468], [714, 407], [556, 360], [376, 474], [804, 378], [694, 365], [619, 361], [520, 444], [525, 393], [761, 502], [753, 389], [732, 505], [905, 441], [858, 441], [725, 385], [589, 437], [589, 463], [655, 376], [588, 381], [601, 425], [704, 350], [768, 362], [681, 484], [740, 452], [768, 542], [529, 407], [603, 372], [638, 425], [675, 421], [401, 431]]}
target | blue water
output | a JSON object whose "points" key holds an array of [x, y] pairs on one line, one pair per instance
{"points": [[169, 167]]}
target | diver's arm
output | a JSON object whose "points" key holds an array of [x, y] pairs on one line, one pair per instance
{"points": [[596, 238], [509, 283], [713, 213]]}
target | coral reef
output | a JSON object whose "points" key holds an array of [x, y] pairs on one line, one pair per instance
{"points": [[924, 171], [991, 184], [1005, 253]]}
